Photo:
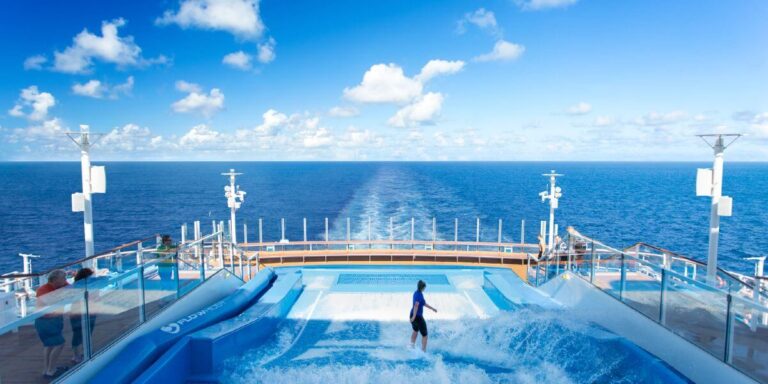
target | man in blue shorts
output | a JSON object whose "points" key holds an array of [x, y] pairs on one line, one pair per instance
{"points": [[417, 315]]}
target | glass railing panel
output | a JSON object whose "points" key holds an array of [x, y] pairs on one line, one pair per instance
{"points": [[190, 273], [750, 339], [47, 331], [607, 266], [114, 306], [160, 280], [697, 313], [581, 259], [642, 287]]}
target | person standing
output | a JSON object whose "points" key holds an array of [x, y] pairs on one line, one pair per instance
{"points": [[417, 315], [76, 319], [50, 326]]}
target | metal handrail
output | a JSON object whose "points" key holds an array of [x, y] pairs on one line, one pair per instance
{"points": [[109, 252]]}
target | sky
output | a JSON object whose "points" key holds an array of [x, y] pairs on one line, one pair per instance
{"points": [[431, 80]]}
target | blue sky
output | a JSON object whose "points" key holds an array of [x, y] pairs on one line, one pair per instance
{"points": [[397, 80]]}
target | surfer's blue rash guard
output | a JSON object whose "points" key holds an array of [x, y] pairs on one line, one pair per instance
{"points": [[418, 297]]}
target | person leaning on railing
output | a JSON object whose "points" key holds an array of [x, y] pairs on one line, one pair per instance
{"points": [[166, 254], [50, 326]]}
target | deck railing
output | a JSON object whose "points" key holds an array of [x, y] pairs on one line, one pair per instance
{"points": [[131, 284], [723, 319]]}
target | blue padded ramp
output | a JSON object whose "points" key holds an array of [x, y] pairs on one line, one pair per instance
{"points": [[196, 357], [140, 353]]}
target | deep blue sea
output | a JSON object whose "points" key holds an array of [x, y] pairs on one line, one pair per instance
{"points": [[618, 203]]}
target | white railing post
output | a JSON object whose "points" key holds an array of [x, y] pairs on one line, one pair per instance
{"points": [[500, 231], [184, 233], [261, 233], [413, 229], [282, 229], [349, 228], [456, 233], [220, 247], [245, 233], [305, 229], [477, 231]]}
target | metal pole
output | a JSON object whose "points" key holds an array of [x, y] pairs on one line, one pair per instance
{"points": [[184, 233], [434, 229], [142, 298], [623, 278], [663, 298], [592, 266], [728, 355], [85, 170], [305, 229], [85, 320], [199, 250], [413, 228], [477, 231], [245, 233], [499, 231], [326, 229], [282, 229], [714, 217], [220, 240], [261, 233], [456, 233]]}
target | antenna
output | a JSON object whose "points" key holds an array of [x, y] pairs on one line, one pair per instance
{"points": [[709, 182], [553, 195], [233, 193], [94, 181]]}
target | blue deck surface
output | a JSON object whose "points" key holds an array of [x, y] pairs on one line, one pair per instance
{"points": [[349, 325]]}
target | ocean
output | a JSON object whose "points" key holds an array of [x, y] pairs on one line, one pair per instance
{"points": [[617, 203]]}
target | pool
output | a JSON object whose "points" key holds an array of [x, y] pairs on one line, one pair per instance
{"points": [[349, 325]]}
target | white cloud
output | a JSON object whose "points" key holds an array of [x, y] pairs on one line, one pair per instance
{"points": [[502, 51], [537, 5], [130, 138], [481, 18], [421, 111], [93, 88], [238, 17], [343, 112], [98, 90], [581, 108], [604, 121], [48, 130], [197, 101], [384, 83], [354, 137], [38, 103], [387, 83], [267, 51], [109, 48], [185, 86], [271, 121], [320, 137], [35, 62], [239, 60], [435, 68], [200, 136], [659, 119]]}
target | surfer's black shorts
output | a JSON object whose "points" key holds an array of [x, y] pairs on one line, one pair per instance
{"points": [[419, 325]]}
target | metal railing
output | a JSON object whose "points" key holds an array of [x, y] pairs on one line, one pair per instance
{"points": [[131, 284], [717, 318]]}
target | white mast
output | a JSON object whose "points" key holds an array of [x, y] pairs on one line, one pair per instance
{"points": [[233, 193], [709, 182], [553, 195], [93, 182]]}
